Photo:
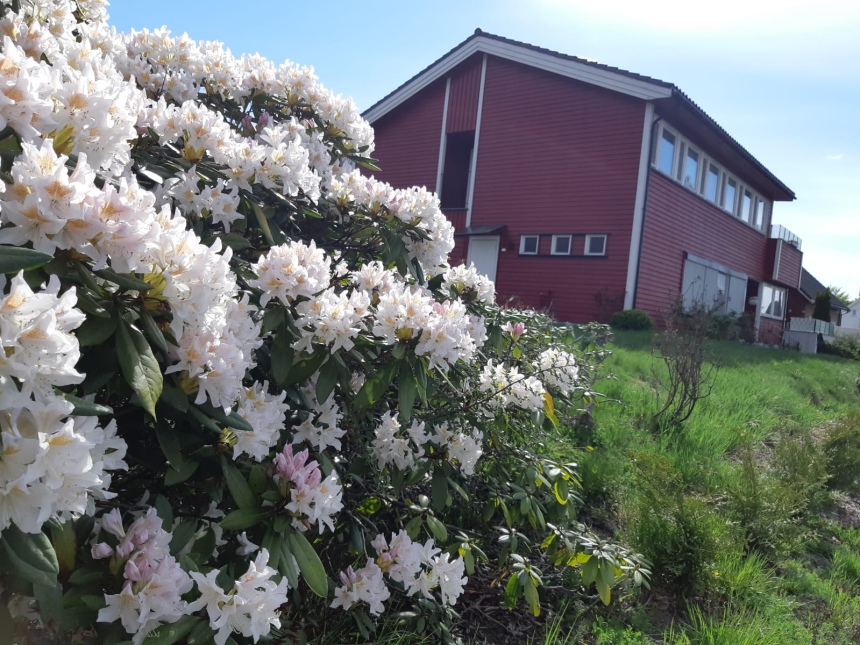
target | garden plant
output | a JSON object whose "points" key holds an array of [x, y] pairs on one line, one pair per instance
{"points": [[243, 395]]}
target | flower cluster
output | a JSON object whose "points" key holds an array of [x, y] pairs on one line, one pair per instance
{"points": [[417, 568], [465, 282], [153, 580], [508, 387], [265, 413], [313, 500], [52, 463], [558, 369], [249, 608], [321, 428]]}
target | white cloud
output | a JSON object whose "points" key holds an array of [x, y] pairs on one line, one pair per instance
{"points": [[836, 157]]}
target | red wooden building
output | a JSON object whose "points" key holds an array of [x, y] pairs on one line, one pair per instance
{"points": [[587, 189]]}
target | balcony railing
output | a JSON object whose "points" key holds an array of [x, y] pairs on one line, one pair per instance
{"points": [[812, 325], [779, 232]]}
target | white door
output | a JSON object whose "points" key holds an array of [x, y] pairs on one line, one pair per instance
{"points": [[484, 254]]}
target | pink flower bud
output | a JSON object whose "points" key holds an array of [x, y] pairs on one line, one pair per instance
{"points": [[101, 550], [112, 523]]}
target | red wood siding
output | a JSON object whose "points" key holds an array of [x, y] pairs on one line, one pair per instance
{"points": [[789, 265], [560, 156], [463, 96], [770, 331], [679, 221], [407, 139]]}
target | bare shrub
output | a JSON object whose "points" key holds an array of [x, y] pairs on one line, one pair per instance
{"points": [[690, 371]]}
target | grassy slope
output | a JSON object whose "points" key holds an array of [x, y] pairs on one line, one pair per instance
{"points": [[805, 591]]}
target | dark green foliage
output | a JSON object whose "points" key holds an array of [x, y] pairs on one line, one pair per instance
{"points": [[678, 533], [844, 346], [842, 450], [821, 308], [631, 320]]}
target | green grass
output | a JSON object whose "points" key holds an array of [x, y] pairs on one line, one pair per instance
{"points": [[730, 502]]}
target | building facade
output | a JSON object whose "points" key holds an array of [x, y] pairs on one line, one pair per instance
{"points": [[584, 189]]}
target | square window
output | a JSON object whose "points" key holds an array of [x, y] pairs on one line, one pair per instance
{"points": [[691, 169], [667, 152], [772, 302], [730, 191], [561, 244], [747, 207], [712, 182], [595, 244], [529, 244]]}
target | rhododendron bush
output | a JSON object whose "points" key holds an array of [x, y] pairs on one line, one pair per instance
{"points": [[242, 393]]}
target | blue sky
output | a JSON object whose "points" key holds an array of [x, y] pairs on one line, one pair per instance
{"points": [[782, 77]]}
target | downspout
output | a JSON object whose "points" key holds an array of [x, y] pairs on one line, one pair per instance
{"points": [[645, 206]]}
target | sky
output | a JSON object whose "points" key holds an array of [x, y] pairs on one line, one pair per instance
{"points": [[783, 78]]}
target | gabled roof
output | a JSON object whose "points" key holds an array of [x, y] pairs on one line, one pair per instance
{"points": [[810, 287], [666, 96]]}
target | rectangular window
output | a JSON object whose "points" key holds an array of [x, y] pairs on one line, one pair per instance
{"points": [[529, 244], [712, 183], [667, 152], [459, 148], [595, 245], [746, 207], [561, 244], [730, 191], [772, 302], [759, 213], [691, 169]]}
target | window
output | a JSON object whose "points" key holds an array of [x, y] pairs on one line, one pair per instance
{"points": [[772, 302], [459, 147], [691, 170], [712, 183], [561, 244], [595, 244], [730, 191], [759, 213], [529, 244], [666, 152], [713, 286], [746, 207]]}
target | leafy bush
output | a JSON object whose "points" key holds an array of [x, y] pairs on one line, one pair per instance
{"points": [[842, 450], [631, 320], [843, 346], [679, 534], [241, 376]]}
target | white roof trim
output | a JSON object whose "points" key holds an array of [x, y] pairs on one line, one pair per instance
{"points": [[572, 69]]}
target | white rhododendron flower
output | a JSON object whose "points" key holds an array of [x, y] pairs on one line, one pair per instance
{"points": [[153, 579], [313, 499], [249, 608], [291, 271], [558, 369], [265, 413]]}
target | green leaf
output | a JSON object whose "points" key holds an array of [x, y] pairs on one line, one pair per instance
{"points": [[239, 488], [173, 632], [531, 594], [439, 490], [125, 281], [203, 547], [234, 241], [305, 368], [263, 223], [414, 527], [188, 468], [163, 510], [152, 331], [50, 599], [272, 543], [65, 544], [169, 442], [90, 306], [561, 490], [287, 563], [243, 518], [589, 571], [85, 576], [182, 534], [138, 365], [231, 420], [202, 634], [407, 392], [437, 528], [257, 480], [175, 397], [512, 591], [84, 408], [95, 330], [282, 356], [603, 591], [31, 555], [328, 377], [374, 388], [16, 258], [309, 564]]}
